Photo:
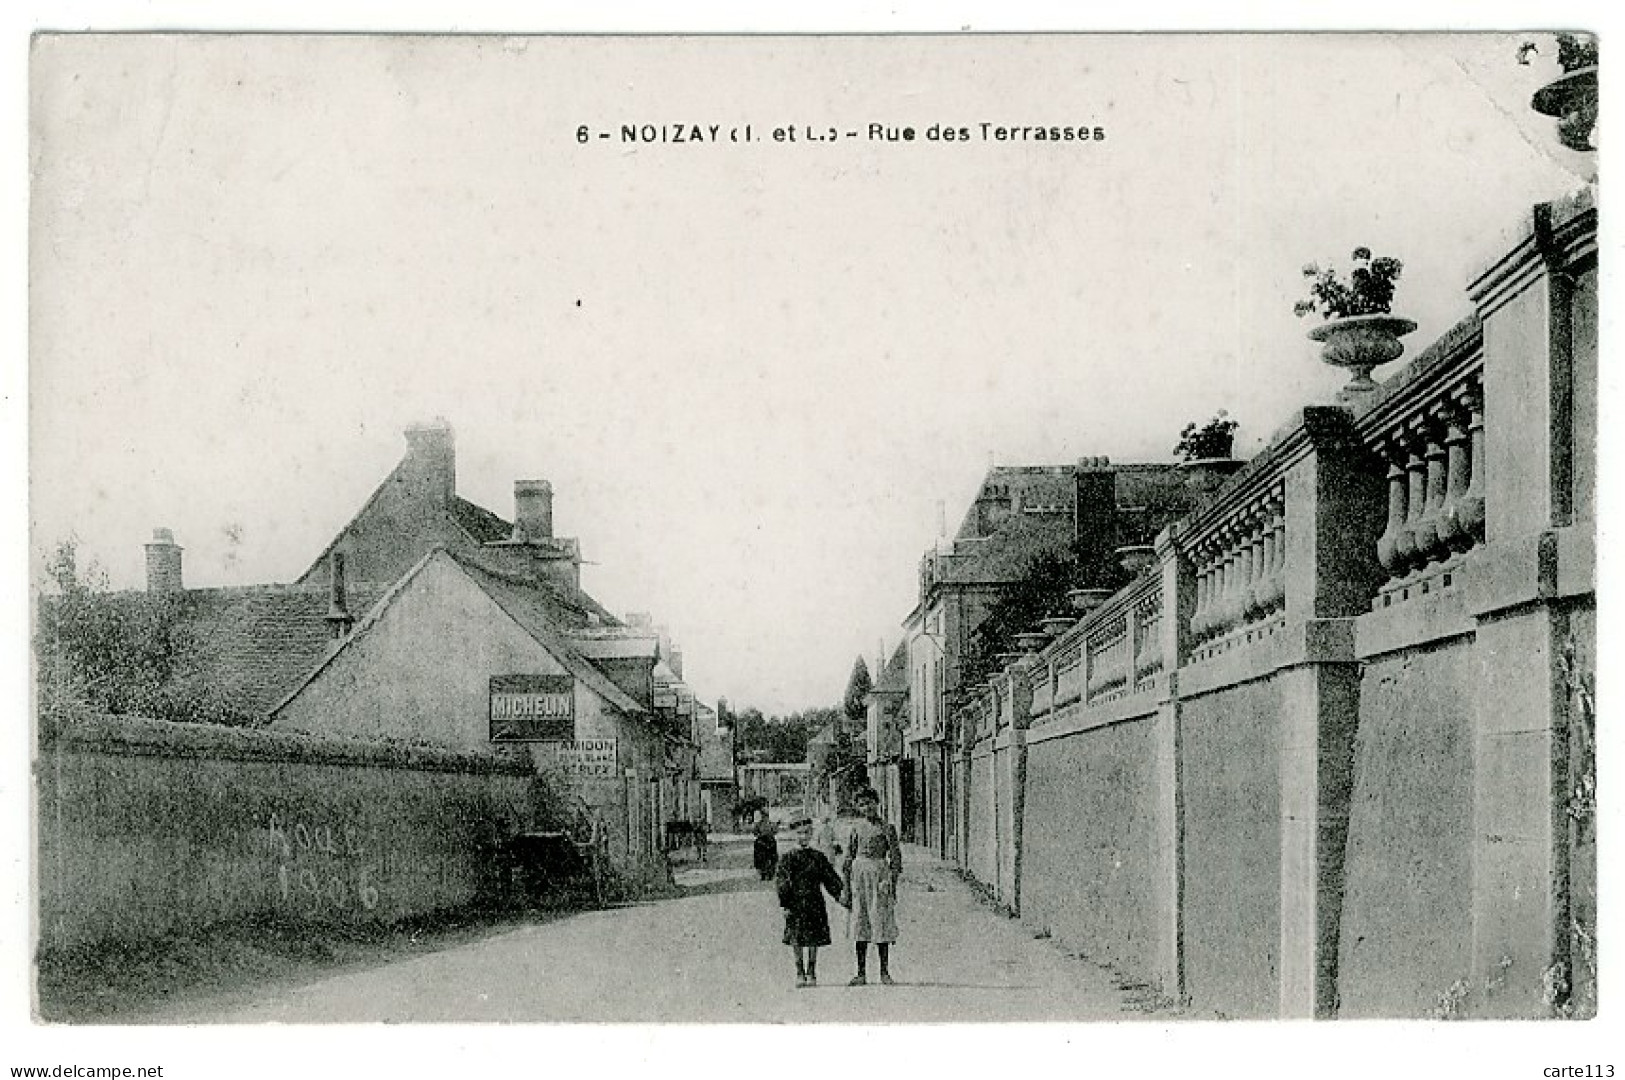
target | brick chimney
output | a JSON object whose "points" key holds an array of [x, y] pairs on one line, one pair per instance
{"points": [[339, 619], [163, 563], [532, 511], [1095, 515], [431, 459]]}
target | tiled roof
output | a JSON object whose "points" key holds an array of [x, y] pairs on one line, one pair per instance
{"points": [[534, 608], [479, 522], [894, 678], [252, 645], [1006, 555]]}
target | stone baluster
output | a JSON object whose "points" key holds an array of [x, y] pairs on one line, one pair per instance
{"points": [[1258, 526], [1405, 549], [1227, 579], [1452, 533], [1243, 572], [1428, 544], [1277, 511], [1266, 562], [1240, 555], [1398, 498], [1198, 621], [1210, 597], [1473, 511]]}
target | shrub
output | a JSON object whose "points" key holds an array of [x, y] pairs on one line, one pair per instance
{"points": [[1213, 439], [1368, 290]]}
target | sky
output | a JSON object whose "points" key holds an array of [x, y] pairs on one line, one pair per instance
{"points": [[238, 294], [751, 372]]}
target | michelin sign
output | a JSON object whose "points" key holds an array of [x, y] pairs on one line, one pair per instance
{"points": [[532, 708]]}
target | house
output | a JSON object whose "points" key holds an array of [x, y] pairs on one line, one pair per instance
{"points": [[886, 711], [466, 654], [430, 619], [713, 736]]}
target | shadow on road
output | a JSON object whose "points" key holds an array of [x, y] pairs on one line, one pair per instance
{"points": [[742, 883], [928, 985]]}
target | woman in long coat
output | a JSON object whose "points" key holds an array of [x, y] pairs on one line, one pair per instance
{"points": [[765, 852], [804, 875], [874, 862]]}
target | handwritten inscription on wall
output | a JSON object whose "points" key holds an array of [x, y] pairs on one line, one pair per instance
{"points": [[319, 866]]}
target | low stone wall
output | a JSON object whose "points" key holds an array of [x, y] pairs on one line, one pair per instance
{"points": [[1230, 783], [983, 850], [1407, 924], [148, 828], [1087, 863]]}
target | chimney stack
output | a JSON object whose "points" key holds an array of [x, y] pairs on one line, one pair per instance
{"points": [[164, 563], [532, 511], [1095, 517], [339, 619], [432, 454]]}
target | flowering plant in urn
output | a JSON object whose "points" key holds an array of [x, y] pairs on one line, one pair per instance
{"points": [[1360, 331]]}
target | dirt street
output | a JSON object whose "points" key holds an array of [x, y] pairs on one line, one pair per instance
{"points": [[713, 954]]}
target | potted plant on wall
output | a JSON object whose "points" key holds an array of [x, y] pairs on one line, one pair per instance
{"points": [[1204, 451], [1360, 332], [1572, 97]]}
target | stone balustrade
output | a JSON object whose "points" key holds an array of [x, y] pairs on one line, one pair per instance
{"points": [[1240, 565], [1429, 433], [1066, 659], [1146, 619], [1106, 658]]}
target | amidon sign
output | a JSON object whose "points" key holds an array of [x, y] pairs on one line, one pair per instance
{"points": [[532, 708]]}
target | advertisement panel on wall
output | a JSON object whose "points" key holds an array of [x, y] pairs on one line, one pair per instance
{"points": [[532, 708], [581, 759]]}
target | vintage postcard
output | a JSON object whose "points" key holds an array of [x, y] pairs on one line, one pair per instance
{"points": [[1096, 530]]}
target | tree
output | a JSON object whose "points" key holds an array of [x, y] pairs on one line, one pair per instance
{"points": [[858, 685], [1041, 591], [121, 653], [848, 760]]}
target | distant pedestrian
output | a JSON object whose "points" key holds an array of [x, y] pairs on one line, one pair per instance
{"points": [[824, 839], [765, 852], [803, 876], [702, 838], [874, 862]]}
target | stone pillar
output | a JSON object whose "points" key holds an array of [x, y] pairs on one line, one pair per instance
{"points": [[1336, 508], [1535, 569], [1021, 711], [1168, 828]]}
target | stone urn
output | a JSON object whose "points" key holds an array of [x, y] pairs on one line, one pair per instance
{"points": [[1056, 625], [1135, 557], [1203, 475], [1361, 343], [1086, 600], [1031, 641], [1573, 100]]}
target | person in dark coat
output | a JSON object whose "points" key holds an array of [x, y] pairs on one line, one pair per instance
{"points": [[803, 876], [765, 852]]}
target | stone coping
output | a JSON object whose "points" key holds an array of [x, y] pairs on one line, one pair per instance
{"points": [[134, 735]]}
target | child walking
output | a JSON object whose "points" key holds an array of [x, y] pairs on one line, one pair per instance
{"points": [[874, 862], [802, 878]]}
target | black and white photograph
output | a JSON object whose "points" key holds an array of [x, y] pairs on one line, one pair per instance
{"points": [[536, 535]]}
